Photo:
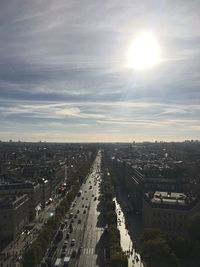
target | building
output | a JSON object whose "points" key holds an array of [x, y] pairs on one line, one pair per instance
{"points": [[164, 184], [45, 191], [168, 211], [33, 191], [14, 215]]}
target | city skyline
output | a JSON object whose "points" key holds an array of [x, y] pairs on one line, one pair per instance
{"points": [[63, 73]]}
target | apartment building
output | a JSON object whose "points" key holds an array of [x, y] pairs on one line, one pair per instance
{"points": [[14, 215]]}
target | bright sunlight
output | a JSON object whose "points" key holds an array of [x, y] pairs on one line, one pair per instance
{"points": [[144, 52]]}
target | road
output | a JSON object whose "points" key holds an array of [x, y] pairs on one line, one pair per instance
{"points": [[88, 232]]}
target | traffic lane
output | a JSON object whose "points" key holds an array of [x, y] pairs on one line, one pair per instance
{"points": [[91, 239], [87, 194], [77, 234], [78, 228]]}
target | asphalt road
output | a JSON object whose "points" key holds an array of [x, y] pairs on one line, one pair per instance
{"points": [[88, 234]]}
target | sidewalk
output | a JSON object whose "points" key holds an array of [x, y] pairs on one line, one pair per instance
{"points": [[133, 221]]}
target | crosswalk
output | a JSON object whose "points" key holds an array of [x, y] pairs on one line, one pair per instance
{"points": [[88, 228], [86, 251]]}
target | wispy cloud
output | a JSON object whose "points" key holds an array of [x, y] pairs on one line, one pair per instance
{"points": [[63, 65]]}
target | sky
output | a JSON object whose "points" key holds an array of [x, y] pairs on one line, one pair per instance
{"points": [[64, 77]]}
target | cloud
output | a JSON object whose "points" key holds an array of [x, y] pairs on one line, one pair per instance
{"points": [[63, 64]]}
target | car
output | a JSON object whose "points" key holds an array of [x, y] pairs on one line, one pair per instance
{"points": [[75, 216], [67, 235], [66, 261], [63, 253], [84, 211], [79, 250], [73, 242], [73, 255], [64, 246], [62, 226], [65, 242], [78, 211], [79, 221], [95, 198], [106, 229], [82, 198]]}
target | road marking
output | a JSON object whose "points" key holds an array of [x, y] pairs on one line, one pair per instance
{"points": [[92, 251]]}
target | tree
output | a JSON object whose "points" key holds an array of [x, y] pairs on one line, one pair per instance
{"points": [[30, 258], [150, 233], [117, 259], [194, 227], [156, 250]]}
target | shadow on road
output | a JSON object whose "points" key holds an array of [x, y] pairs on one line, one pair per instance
{"points": [[99, 250]]}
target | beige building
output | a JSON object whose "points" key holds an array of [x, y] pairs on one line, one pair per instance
{"points": [[13, 215], [167, 211]]}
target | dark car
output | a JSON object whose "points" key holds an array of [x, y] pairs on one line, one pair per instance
{"points": [[73, 255], [67, 235], [63, 253]]}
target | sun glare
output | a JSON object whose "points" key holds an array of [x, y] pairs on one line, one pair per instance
{"points": [[144, 52]]}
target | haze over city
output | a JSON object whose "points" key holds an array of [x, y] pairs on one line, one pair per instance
{"points": [[66, 73]]}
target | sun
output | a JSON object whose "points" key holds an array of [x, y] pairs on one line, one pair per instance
{"points": [[144, 52]]}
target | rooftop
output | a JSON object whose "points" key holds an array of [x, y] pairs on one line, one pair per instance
{"points": [[169, 198], [11, 202]]}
